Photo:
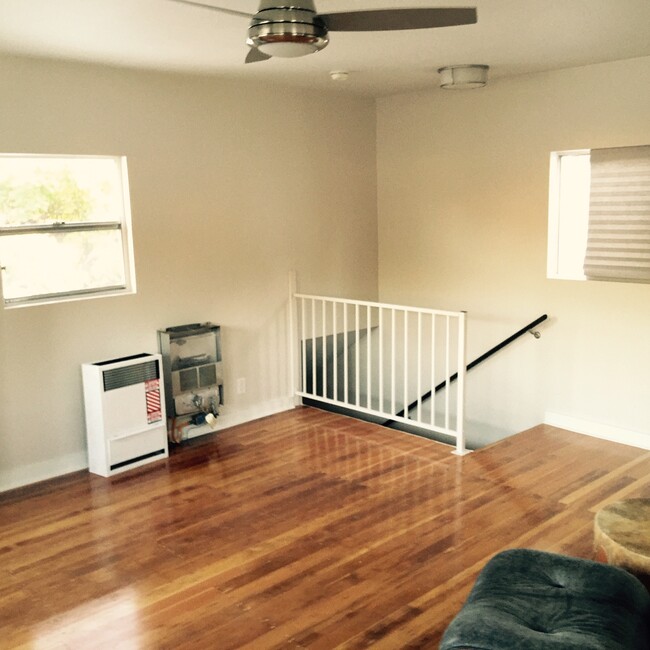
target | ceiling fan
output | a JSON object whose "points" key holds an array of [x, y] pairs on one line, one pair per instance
{"points": [[294, 28]]}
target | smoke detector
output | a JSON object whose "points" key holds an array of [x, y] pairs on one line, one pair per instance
{"points": [[339, 75]]}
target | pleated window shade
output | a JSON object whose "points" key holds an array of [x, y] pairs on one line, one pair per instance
{"points": [[618, 243]]}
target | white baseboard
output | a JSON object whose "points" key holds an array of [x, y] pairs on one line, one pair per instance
{"points": [[35, 472], [27, 474], [597, 430]]}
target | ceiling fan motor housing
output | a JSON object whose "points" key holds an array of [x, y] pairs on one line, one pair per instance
{"points": [[287, 31]]}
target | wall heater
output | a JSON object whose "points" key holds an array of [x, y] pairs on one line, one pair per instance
{"points": [[125, 413]]}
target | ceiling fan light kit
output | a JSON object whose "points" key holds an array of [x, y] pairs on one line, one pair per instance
{"points": [[463, 77], [287, 32]]}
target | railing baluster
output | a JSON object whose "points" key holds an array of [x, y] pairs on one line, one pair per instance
{"points": [[381, 359], [419, 361], [433, 371], [314, 388], [324, 332], [357, 346], [460, 396], [335, 352], [303, 345], [369, 357], [392, 361], [447, 375], [406, 363], [346, 396]]}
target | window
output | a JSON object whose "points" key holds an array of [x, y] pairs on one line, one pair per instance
{"points": [[65, 228], [568, 214], [599, 215]]}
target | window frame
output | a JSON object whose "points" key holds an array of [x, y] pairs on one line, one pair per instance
{"points": [[124, 225]]}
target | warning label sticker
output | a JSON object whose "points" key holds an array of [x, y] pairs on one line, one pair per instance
{"points": [[152, 395]]}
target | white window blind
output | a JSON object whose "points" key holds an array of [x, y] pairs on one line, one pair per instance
{"points": [[618, 243]]}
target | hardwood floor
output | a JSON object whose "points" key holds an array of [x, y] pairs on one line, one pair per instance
{"points": [[305, 529]]}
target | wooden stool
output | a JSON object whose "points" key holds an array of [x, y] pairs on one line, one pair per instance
{"points": [[622, 536]]}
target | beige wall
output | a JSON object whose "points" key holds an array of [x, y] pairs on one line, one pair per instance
{"points": [[462, 202], [235, 185], [232, 187]]}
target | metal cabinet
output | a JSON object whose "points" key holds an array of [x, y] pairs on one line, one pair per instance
{"points": [[193, 374]]}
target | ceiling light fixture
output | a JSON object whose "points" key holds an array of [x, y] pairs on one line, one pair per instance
{"points": [[287, 32], [461, 77]]}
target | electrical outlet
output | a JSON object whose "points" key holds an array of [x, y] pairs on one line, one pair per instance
{"points": [[241, 385]]}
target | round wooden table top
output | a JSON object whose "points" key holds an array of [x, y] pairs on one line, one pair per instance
{"points": [[622, 535]]}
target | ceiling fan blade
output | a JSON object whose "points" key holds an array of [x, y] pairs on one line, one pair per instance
{"points": [[254, 55], [205, 5], [395, 19]]}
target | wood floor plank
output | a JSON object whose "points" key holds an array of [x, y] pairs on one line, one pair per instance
{"points": [[301, 530]]}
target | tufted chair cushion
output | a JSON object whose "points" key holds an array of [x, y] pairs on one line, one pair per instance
{"points": [[533, 600]]}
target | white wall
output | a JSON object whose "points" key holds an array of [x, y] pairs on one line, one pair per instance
{"points": [[462, 203], [232, 187]]}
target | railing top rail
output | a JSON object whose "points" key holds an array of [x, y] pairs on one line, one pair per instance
{"points": [[365, 303]]}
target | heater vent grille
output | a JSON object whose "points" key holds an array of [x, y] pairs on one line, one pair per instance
{"points": [[208, 375], [129, 375]]}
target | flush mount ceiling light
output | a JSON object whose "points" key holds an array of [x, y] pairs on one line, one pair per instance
{"points": [[461, 77]]}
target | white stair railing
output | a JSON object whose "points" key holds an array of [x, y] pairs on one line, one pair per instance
{"points": [[383, 360]]}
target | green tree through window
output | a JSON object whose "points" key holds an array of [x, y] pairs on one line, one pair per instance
{"points": [[57, 198]]}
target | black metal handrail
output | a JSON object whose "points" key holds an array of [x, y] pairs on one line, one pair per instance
{"points": [[473, 364]]}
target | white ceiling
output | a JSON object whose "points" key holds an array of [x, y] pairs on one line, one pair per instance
{"points": [[512, 36]]}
